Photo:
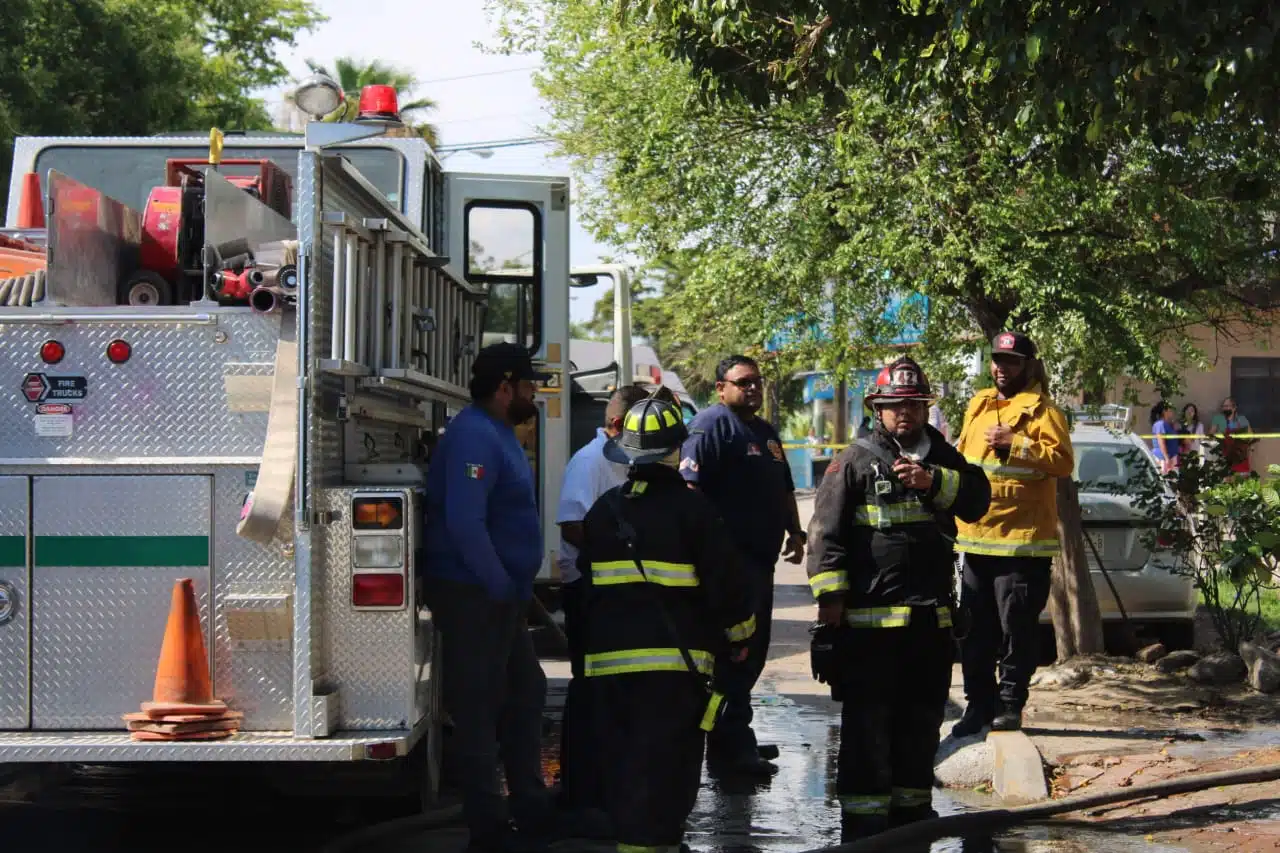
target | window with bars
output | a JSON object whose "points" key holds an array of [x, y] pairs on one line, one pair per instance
{"points": [[1255, 386]]}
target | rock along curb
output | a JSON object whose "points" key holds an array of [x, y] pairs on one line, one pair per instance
{"points": [[1018, 776]]}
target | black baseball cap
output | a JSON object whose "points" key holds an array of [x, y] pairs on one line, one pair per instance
{"points": [[1013, 343], [505, 362]]}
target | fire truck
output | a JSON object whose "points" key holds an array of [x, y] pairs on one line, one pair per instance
{"points": [[232, 368]]}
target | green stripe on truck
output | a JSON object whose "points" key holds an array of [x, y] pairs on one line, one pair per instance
{"points": [[13, 552], [129, 551]]}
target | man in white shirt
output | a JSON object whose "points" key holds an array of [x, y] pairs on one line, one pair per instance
{"points": [[587, 476]]}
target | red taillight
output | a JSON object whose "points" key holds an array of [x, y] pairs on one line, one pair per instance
{"points": [[379, 589], [380, 751], [118, 351], [52, 352], [379, 103]]}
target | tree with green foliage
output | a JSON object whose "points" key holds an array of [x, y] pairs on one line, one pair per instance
{"points": [[689, 338], [354, 74], [790, 211], [1077, 70], [134, 68], [1222, 531]]}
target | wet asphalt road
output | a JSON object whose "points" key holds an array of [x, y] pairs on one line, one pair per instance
{"points": [[113, 811]]}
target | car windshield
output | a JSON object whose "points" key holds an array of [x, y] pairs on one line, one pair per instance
{"points": [[1107, 468]]}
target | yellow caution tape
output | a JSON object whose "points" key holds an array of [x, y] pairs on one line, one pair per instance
{"points": [[1237, 436]]}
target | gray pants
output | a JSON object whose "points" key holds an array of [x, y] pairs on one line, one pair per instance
{"points": [[494, 690]]}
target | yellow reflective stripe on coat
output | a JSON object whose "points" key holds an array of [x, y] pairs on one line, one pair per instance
{"points": [[889, 617], [627, 661], [659, 572], [1013, 472], [642, 848], [1008, 547], [876, 804], [824, 582], [911, 797], [878, 617], [872, 515], [948, 488], [712, 713], [743, 630]]}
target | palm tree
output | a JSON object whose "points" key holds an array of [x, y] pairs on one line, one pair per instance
{"points": [[354, 74]]}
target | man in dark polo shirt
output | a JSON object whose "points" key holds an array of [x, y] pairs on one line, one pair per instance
{"points": [[736, 459]]}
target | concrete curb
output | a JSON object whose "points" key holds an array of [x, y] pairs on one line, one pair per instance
{"points": [[1018, 776]]}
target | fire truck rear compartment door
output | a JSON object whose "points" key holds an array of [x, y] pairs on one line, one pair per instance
{"points": [[15, 653], [106, 553]]}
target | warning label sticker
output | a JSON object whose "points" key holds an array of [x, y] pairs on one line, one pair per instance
{"points": [[56, 425]]}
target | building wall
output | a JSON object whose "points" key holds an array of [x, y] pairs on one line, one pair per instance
{"points": [[1208, 388]]}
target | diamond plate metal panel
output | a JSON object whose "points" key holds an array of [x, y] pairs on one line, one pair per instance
{"points": [[370, 655], [168, 400], [15, 652], [257, 681], [107, 748], [307, 545], [97, 630], [120, 506]]}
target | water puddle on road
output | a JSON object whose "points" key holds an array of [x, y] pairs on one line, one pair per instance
{"points": [[797, 808]]}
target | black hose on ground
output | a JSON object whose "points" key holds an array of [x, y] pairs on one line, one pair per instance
{"points": [[445, 817], [539, 612], [988, 821]]}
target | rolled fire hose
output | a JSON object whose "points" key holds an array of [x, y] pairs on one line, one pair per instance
{"points": [[993, 820], [261, 517], [22, 291]]}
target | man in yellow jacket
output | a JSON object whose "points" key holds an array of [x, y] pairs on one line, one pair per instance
{"points": [[1021, 440]]}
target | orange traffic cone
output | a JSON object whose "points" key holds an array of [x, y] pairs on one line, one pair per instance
{"points": [[31, 202], [183, 685], [182, 705]]}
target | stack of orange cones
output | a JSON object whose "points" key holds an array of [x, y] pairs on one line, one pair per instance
{"points": [[31, 202], [183, 707]]}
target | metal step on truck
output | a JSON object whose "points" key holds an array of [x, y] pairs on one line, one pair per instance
{"points": [[228, 360]]}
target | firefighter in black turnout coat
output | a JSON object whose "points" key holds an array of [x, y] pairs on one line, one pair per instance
{"points": [[663, 599], [881, 567]]}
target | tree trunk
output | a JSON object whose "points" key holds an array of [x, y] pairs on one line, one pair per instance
{"points": [[841, 398], [1073, 604]]}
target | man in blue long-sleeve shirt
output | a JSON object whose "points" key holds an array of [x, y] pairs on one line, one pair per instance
{"points": [[483, 550]]}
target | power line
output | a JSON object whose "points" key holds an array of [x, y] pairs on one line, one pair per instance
{"points": [[477, 74], [496, 143]]}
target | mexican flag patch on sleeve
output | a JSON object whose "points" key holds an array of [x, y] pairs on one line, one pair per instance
{"points": [[474, 471]]}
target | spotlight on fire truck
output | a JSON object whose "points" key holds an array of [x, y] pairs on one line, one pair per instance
{"points": [[318, 96]]}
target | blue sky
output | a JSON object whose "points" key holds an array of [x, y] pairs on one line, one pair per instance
{"points": [[482, 97]]}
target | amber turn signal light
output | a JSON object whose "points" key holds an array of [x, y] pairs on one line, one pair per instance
{"points": [[376, 514]]}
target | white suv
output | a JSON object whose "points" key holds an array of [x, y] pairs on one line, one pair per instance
{"points": [[1151, 594]]}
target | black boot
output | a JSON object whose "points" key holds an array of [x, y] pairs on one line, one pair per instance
{"points": [[748, 763], [1008, 720], [768, 751], [856, 827], [976, 718]]}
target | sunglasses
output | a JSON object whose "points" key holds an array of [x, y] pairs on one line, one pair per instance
{"points": [[748, 382]]}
